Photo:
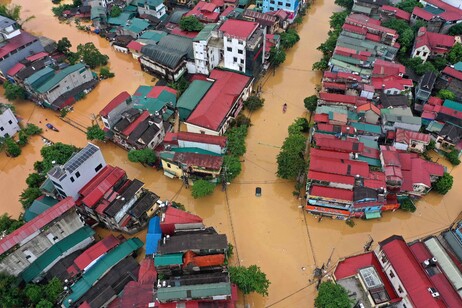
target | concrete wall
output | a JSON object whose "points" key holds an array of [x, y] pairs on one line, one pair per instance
{"points": [[114, 116], [37, 244], [234, 53], [158, 12], [8, 123], [69, 83]]}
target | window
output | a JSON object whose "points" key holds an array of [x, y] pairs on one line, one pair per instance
{"points": [[400, 290], [169, 166], [242, 61], [240, 51], [240, 42], [391, 274], [72, 179], [384, 259], [98, 168], [10, 122], [2, 129], [77, 174], [287, 4], [229, 49], [280, 3], [235, 59]]}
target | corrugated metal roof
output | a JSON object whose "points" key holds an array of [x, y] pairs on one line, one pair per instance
{"points": [[36, 224], [154, 225], [205, 32], [168, 259], [39, 206], [59, 76], [99, 269], [96, 251], [192, 97], [194, 291], [56, 252], [116, 101], [152, 241]]}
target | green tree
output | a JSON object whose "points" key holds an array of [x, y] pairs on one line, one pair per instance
{"points": [[321, 65], [178, 205], [456, 29], [453, 157], [143, 156], [254, 102], [115, 11], [91, 55], [59, 153], [64, 45], [28, 196], [13, 91], [277, 56], [105, 72], [406, 33], [407, 205], [291, 160], [298, 20], [425, 67], [347, 4], [23, 138], [12, 148], [191, 23], [95, 132], [443, 184], [233, 167], [439, 63], [311, 102], [59, 10], [10, 294], [53, 289], [329, 45], [33, 293], [32, 129], [13, 11], [289, 38], [202, 188], [249, 279], [242, 120], [409, 5], [76, 3], [332, 295], [337, 19], [446, 94], [8, 224], [236, 140], [44, 304], [455, 54], [300, 125], [180, 85], [35, 180]]}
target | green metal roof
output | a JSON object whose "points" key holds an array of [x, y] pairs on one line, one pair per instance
{"points": [[453, 105], [194, 150], [39, 77], [50, 83], [55, 252], [38, 207], [153, 35], [361, 9], [152, 104], [120, 20], [331, 108], [168, 259], [243, 2], [131, 9], [192, 97], [369, 142], [458, 66], [370, 128], [97, 11], [435, 126], [142, 91], [90, 277], [47, 186], [370, 161], [372, 215], [205, 32], [194, 291], [137, 25], [167, 155]]}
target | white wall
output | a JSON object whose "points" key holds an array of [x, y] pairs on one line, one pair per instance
{"points": [[205, 146], [200, 130], [8, 123], [234, 60]]}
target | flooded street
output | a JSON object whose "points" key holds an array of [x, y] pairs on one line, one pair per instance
{"points": [[269, 231]]}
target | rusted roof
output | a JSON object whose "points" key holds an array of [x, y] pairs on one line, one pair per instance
{"points": [[205, 161]]}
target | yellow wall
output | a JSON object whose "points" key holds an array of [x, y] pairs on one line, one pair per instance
{"points": [[173, 169]]}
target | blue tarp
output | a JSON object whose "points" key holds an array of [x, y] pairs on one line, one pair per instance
{"points": [[154, 225], [151, 243]]}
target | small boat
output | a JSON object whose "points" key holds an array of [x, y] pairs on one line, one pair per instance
{"points": [[50, 126]]}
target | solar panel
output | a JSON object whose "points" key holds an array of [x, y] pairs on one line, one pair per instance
{"points": [[80, 158], [370, 277]]}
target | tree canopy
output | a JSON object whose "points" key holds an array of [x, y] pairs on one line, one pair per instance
{"points": [[233, 166], [91, 55], [35, 179], [95, 132], [115, 11], [8, 224], [249, 279], [443, 184], [236, 140], [13, 91], [311, 102], [289, 38], [12, 148], [28, 196], [143, 156], [58, 152], [202, 188], [453, 157], [407, 205], [64, 45], [291, 158], [191, 23], [446, 94], [456, 29], [254, 102], [13, 11], [277, 56], [347, 4], [332, 295], [408, 5], [455, 54]]}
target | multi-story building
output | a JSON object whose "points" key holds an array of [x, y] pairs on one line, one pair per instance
{"points": [[8, 122], [207, 55], [154, 8], [291, 6], [36, 246], [15, 45], [69, 178], [243, 46]]}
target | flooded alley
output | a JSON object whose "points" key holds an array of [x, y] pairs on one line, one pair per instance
{"points": [[271, 231]]}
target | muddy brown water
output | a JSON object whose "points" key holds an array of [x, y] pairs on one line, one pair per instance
{"points": [[271, 230]]}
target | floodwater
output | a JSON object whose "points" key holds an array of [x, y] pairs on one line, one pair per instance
{"points": [[270, 231]]}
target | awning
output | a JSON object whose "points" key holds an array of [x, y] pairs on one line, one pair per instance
{"points": [[372, 215]]}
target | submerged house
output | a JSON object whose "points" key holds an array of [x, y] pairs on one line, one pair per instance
{"points": [[190, 164]]}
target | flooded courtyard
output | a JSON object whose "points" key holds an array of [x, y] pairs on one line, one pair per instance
{"points": [[271, 231]]}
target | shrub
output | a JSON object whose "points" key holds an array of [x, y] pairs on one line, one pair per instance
{"points": [[12, 148], [254, 103], [32, 129], [202, 188], [249, 279], [104, 72], [453, 157], [407, 205], [95, 133], [236, 140], [443, 184]]}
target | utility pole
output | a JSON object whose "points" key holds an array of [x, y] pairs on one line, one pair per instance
{"points": [[224, 178], [330, 257]]}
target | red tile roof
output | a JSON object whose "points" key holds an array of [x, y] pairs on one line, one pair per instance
{"points": [[373, 25], [131, 127], [334, 85], [397, 12], [134, 45], [420, 12], [351, 266], [147, 273], [240, 29], [116, 101], [369, 106], [341, 75], [329, 142], [179, 32], [433, 100], [436, 42], [204, 11], [96, 251], [342, 166], [331, 192], [202, 261], [210, 162], [16, 42], [36, 224], [193, 137], [227, 11], [329, 177], [340, 98], [219, 100], [448, 9], [391, 82], [92, 198], [410, 272], [406, 136], [175, 216], [384, 68], [329, 154], [452, 72], [321, 118], [37, 56], [15, 69], [354, 29]]}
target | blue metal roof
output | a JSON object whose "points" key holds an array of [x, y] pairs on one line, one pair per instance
{"points": [[152, 240], [154, 225]]}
